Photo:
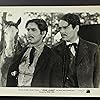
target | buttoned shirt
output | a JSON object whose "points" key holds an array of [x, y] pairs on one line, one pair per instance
{"points": [[26, 72], [71, 78], [72, 49]]}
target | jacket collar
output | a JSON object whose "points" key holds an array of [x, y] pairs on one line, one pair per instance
{"points": [[42, 59], [82, 50]]}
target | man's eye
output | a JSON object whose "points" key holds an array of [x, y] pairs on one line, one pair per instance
{"points": [[28, 29], [65, 27], [33, 29]]}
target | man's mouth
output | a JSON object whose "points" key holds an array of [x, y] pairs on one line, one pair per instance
{"points": [[30, 37], [63, 35]]}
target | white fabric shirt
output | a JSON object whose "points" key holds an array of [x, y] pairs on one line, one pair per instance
{"points": [[72, 49], [25, 71]]}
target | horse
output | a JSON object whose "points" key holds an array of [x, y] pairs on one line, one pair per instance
{"points": [[11, 46]]}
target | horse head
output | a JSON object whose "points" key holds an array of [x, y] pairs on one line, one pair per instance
{"points": [[11, 35], [10, 30], [11, 23]]}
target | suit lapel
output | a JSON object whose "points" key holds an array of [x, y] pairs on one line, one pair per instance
{"points": [[82, 65], [41, 61], [17, 58], [82, 51], [61, 49]]}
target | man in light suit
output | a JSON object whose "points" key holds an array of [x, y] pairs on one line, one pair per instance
{"points": [[81, 68], [35, 65]]}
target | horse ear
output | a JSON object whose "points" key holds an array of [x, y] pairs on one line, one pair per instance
{"points": [[5, 22], [18, 22]]}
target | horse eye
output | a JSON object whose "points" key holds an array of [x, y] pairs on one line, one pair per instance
{"points": [[59, 28], [5, 33]]}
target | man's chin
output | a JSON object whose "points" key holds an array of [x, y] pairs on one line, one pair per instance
{"points": [[31, 43], [64, 39]]}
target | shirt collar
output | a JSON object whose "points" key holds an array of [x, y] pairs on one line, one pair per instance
{"points": [[76, 41], [38, 48]]}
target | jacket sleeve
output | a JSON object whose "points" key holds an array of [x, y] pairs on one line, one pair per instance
{"points": [[97, 68], [56, 75]]}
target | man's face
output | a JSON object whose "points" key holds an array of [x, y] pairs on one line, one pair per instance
{"points": [[33, 33], [66, 30]]}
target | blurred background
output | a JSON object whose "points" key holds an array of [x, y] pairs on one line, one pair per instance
{"points": [[90, 26]]}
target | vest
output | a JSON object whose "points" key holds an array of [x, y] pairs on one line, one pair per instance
{"points": [[70, 75]]}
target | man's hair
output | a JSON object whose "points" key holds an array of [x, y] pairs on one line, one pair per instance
{"points": [[40, 23], [71, 19]]}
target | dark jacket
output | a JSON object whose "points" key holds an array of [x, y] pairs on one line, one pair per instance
{"points": [[87, 63], [48, 71]]}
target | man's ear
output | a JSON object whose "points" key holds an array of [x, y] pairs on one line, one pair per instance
{"points": [[76, 28], [43, 33]]}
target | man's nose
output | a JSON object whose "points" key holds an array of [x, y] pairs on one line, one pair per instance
{"points": [[30, 31], [62, 30]]}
